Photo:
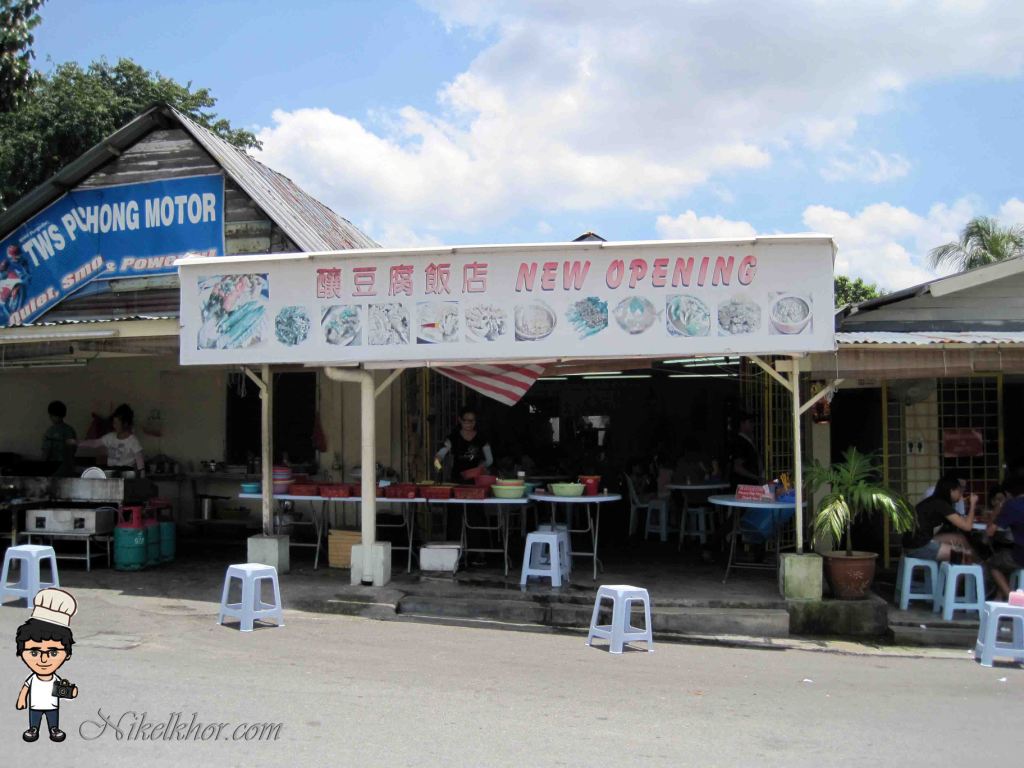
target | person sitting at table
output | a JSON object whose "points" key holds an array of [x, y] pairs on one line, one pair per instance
{"points": [[940, 532], [1005, 562]]}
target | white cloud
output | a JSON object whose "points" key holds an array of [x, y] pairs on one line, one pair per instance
{"points": [[1012, 212], [886, 244], [882, 243], [870, 166], [592, 104], [689, 225]]}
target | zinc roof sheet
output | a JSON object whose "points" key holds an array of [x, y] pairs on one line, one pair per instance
{"points": [[925, 338]]}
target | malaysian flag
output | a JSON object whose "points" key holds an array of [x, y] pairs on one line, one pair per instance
{"points": [[505, 383]]}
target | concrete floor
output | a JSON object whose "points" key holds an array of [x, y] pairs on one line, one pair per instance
{"points": [[348, 691]]}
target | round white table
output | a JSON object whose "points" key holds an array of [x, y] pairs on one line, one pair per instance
{"points": [[736, 506], [592, 505]]}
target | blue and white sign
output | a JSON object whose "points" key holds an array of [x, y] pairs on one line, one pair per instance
{"points": [[129, 230]]}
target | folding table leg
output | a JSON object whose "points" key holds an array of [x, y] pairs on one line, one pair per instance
{"points": [[732, 541]]}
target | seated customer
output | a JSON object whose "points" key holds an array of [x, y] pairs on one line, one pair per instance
{"points": [[940, 531], [1005, 562]]}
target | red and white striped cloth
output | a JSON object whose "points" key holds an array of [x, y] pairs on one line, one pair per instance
{"points": [[505, 383]]}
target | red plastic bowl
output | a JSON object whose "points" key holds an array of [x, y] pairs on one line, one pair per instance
{"points": [[470, 474]]}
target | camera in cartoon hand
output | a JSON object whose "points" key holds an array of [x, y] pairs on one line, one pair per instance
{"points": [[64, 689]]}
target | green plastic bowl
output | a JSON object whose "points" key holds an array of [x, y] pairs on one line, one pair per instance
{"points": [[567, 489], [507, 492]]}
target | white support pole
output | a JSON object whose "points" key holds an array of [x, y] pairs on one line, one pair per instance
{"points": [[798, 472], [368, 440], [265, 383]]}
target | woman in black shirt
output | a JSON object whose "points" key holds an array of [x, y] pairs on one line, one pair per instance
{"points": [[469, 449], [940, 529]]}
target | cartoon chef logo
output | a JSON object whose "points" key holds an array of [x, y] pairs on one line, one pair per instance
{"points": [[44, 644]]}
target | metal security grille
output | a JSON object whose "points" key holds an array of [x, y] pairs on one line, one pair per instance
{"points": [[430, 407], [772, 407], [974, 403], [894, 467]]}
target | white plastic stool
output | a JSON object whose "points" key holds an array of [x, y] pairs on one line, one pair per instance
{"points": [[549, 570], [698, 522], [620, 631], [908, 590], [564, 554], [988, 645], [30, 557], [252, 608], [974, 589], [657, 519]]}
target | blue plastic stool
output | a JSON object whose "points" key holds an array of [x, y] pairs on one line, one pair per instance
{"points": [[974, 589], [564, 553], [657, 519], [252, 608], [905, 584], [988, 644], [30, 557], [1017, 580], [552, 569], [620, 631]]}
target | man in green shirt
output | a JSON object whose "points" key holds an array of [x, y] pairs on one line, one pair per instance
{"points": [[59, 440]]}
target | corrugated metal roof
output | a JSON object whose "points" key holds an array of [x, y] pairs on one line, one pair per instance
{"points": [[308, 222], [111, 305], [925, 338]]}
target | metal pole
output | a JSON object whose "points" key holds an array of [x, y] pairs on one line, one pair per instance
{"points": [[798, 472]]}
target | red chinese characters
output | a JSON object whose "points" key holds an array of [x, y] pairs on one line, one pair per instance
{"points": [[328, 283], [437, 278], [474, 278], [364, 279], [401, 280]]}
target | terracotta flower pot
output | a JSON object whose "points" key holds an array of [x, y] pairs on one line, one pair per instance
{"points": [[850, 577]]}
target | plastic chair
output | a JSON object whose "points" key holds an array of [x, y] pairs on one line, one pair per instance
{"points": [[252, 608], [907, 590], [988, 645], [620, 631], [565, 547], [947, 599], [550, 569], [30, 557], [635, 506]]}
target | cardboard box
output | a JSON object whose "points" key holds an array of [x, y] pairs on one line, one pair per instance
{"points": [[339, 547]]}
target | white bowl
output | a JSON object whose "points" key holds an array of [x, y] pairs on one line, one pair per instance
{"points": [[790, 326]]}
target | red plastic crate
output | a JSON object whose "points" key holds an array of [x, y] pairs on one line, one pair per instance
{"points": [[336, 490], [400, 491], [304, 489], [435, 491], [470, 492]]}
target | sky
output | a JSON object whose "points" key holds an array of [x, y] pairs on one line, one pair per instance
{"points": [[885, 124]]}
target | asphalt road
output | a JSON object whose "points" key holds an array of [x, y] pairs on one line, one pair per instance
{"points": [[351, 692]]}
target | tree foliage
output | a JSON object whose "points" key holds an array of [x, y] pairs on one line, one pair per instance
{"points": [[982, 241], [70, 109], [17, 20], [853, 291]]}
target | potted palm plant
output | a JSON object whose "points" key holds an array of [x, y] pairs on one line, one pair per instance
{"points": [[855, 490]]}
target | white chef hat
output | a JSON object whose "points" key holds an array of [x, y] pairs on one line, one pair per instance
{"points": [[55, 606]]}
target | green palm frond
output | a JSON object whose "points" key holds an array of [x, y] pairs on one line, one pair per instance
{"points": [[855, 489], [983, 240]]}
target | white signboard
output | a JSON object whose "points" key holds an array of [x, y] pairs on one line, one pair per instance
{"points": [[515, 302]]}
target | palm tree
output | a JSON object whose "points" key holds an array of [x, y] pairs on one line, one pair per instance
{"points": [[982, 241]]}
